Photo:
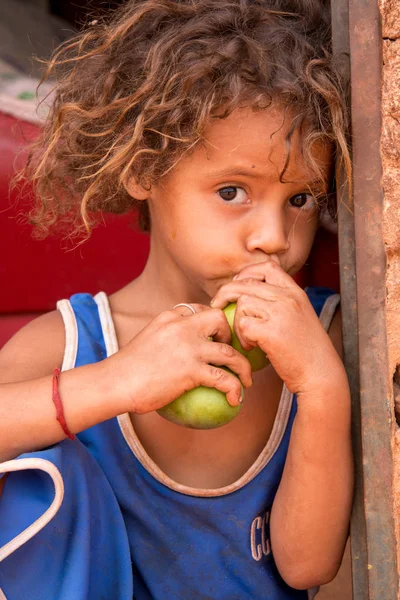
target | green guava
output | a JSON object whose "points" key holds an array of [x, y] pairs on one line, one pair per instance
{"points": [[256, 357], [200, 408], [208, 408]]}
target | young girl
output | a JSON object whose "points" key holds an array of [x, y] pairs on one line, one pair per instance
{"points": [[221, 121]]}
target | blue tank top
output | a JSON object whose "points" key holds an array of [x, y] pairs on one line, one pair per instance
{"points": [[183, 542]]}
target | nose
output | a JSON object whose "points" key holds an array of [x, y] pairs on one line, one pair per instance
{"points": [[267, 231]]}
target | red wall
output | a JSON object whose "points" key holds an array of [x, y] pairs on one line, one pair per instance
{"points": [[35, 274]]}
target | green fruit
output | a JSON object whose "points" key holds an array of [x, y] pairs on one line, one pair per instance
{"points": [[208, 408], [200, 408], [255, 356]]}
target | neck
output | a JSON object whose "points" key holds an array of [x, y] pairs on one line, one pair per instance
{"points": [[160, 286]]}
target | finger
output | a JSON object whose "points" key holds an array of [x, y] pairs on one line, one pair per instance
{"points": [[252, 287], [257, 309], [224, 381], [269, 271], [251, 331], [213, 324], [257, 271], [223, 355]]}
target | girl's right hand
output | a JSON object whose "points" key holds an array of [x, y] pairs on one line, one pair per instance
{"points": [[174, 354]]}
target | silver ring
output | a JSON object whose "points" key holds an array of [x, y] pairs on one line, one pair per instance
{"points": [[189, 306]]}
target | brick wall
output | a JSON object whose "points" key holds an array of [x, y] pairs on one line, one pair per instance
{"points": [[390, 152]]}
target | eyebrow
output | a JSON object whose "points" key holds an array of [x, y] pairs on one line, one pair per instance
{"points": [[315, 185], [238, 171]]}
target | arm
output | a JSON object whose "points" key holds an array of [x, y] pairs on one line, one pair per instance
{"points": [[310, 514], [27, 413], [128, 381], [311, 511]]}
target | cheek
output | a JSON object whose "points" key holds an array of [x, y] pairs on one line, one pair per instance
{"points": [[214, 254], [303, 234], [303, 222]]}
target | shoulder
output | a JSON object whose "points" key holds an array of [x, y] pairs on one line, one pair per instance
{"points": [[35, 350]]}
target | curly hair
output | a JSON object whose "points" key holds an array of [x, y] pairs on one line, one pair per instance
{"points": [[136, 89]]}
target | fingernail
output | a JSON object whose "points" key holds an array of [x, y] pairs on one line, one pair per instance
{"points": [[212, 302]]}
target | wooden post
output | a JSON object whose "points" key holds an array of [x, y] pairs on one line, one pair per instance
{"points": [[356, 34]]}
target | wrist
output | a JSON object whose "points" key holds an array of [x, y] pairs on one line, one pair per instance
{"points": [[88, 396], [326, 378], [328, 399], [110, 388], [121, 389]]}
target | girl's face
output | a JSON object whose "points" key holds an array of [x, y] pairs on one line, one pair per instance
{"points": [[223, 207]]}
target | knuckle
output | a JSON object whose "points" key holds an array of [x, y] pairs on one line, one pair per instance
{"points": [[301, 295], [294, 302], [250, 280], [269, 268], [165, 317], [220, 317], [244, 300], [270, 265], [218, 374], [172, 329], [227, 350], [244, 325], [240, 303]]}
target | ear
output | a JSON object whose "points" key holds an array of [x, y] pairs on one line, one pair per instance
{"points": [[136, 190]]}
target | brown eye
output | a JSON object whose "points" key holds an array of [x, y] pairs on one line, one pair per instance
{"points": [[302, 201], [228, 193], [233, 194]]}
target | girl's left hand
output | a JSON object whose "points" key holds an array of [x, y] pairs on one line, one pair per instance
{"points": [[274, 313]]}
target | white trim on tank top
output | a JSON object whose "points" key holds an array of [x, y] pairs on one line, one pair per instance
{"points": [[138, 450], [71, 334], [140, 453], [40, 464], [124, 420]]}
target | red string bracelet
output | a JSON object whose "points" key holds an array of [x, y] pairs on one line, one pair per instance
{"points": [[59, 407]]}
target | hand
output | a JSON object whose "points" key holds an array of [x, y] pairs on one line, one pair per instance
{"points": [[174, 353], [274, 313]]}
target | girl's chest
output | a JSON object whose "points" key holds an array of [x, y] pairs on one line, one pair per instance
{"points": [[213, 458]]}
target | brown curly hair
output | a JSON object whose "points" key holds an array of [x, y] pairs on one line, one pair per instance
{"points": [[136, 89]]}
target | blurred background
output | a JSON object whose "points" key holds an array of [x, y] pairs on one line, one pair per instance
{"points": [[35, 274]]}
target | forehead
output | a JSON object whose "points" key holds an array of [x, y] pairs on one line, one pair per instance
{"points": [[247, 139]]}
